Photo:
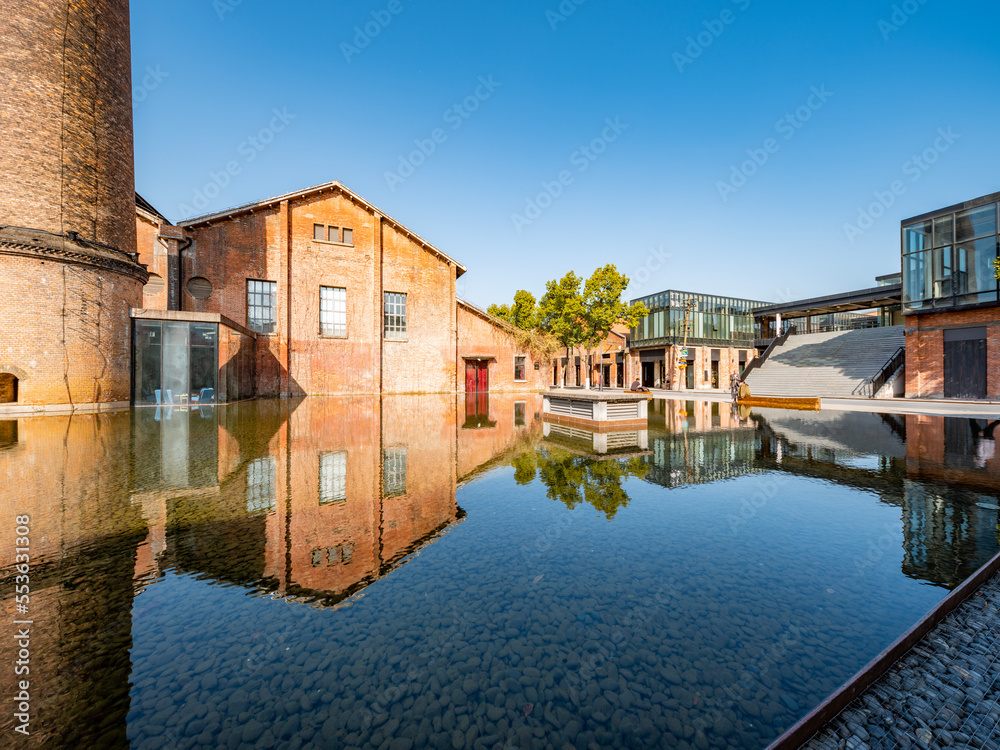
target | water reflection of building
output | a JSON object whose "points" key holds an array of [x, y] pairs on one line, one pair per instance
{"points": [[70, 476], [334, 493], [951, 514], [696, 442], [932, 468], [311, 499], [940, 472]]}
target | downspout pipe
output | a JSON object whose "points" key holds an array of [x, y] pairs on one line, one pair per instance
{"points": [[180, 271]]}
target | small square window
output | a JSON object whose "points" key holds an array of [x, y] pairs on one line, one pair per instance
{"points": [[334, 234], [519, 368], [348, 236], [319, 232]]}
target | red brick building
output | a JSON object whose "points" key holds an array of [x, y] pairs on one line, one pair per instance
{"points": [[67, 228], [337, 296], [950, 301], [607, 363]]}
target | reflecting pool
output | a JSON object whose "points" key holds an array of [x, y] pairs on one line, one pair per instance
{"points": [[439, 572]]}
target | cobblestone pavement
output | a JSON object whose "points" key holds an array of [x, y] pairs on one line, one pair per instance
{"points": [[943, 693]]}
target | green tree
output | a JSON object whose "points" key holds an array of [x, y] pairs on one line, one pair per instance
{"points": [[500, 311], [522, 314], [560, 311], [572, 479], [602, 307]]}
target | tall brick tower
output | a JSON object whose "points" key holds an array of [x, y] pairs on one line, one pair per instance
{"points": [[68, 267]]}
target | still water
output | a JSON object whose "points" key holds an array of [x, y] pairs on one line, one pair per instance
{"points": [[425, 572]]}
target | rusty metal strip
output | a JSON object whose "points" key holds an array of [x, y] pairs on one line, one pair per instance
{"points": [[859, 683]]}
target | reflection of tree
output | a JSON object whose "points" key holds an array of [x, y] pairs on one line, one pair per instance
{"points": [[573, 479]]}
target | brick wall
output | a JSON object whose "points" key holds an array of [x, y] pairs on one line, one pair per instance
{"points": [[925, 350], [479, 334], [72, 343], [926, 458], [277, 244], [481, 447], [153, 255], [65, 82]]}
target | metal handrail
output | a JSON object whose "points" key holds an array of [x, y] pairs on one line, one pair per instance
{"points": [[877, 382]]}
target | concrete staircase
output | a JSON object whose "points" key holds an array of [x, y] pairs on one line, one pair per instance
{"points": [[825, 364]]}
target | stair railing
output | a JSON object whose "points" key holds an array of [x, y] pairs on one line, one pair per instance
{"points": [[756, 362], [876, 383]]}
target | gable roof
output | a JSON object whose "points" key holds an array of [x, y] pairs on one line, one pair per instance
{"points": [[146, 206], [489, 318], [326, 186]]}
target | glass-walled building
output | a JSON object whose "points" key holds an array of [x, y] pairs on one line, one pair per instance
{"points": [[719, 335], [712, 320], [949, 259], [951, 301], [190, 359]]}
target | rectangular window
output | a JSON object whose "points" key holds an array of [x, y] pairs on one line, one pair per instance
{"points": [[944, 231], [394, 315], [941, 269], [261, 484], [348, 236], [519, 368], [916, 280], [974, 270], [332, 477], [319, 232], [519, 410], [333, 311], [261, 305], [333, 234], [976, 222], [394, 472], [917, 237]]}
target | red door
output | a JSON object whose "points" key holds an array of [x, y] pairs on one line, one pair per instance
{"points": [[470, 376], [477, 376], [484, 377]]}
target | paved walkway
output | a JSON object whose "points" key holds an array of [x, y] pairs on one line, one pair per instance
{"points": [[932, 407], [945, 692]]}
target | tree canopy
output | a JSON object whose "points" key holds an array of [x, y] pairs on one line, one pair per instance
{"points": [[603, 307], [522, 314], [560, 311], [572, 479]]}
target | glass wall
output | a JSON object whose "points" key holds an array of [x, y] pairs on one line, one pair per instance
{"points": [[948, 260], [175, 362], [712, 320]]}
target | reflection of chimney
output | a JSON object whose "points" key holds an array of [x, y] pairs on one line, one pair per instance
{"points": [[154, 512]]}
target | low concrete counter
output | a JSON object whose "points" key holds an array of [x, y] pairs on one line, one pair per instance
{"points": [[597, 410]]}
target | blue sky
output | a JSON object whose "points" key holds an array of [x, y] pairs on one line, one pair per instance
{"points": [[728, 146]]}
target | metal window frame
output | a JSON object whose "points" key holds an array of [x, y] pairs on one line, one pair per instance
{"points": [[394, 315], [333, 321], [255, 302]]}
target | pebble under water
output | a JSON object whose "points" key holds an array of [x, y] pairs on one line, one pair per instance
{"points": [[418, 572]]}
